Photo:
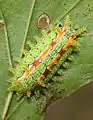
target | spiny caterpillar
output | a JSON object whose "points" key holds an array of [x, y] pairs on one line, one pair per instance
{"points": [[41, 61]]}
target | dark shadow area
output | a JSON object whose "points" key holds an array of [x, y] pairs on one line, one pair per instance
{"points": [[78, 106]]}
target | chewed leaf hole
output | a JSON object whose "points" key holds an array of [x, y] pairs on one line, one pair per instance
{"points": [[43, 21]]}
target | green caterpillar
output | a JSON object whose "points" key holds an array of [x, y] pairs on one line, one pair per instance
{"points": [[41, 62]]}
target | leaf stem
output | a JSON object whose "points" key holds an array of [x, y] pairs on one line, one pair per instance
{"points": [[7, 104], [27, 26], [7, 39], [69, 10], [10, 94], [15, 108]]}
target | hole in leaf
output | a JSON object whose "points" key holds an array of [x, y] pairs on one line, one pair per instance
{"points": [[43, 21]]}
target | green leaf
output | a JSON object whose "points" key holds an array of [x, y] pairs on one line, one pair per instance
{"points": [[16, 13]]}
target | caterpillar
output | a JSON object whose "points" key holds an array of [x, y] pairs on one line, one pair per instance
{"points": [[41, 62]]}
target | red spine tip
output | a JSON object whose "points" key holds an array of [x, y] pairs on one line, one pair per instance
{"points": [[53, 43], [36, 63], [46, 72], [61, 51]]}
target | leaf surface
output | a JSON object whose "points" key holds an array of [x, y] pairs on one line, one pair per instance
{"points": [[80, 72]]}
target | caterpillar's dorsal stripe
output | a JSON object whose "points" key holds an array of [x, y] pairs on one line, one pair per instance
{"points": [[43, 54], [71, 41]]}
